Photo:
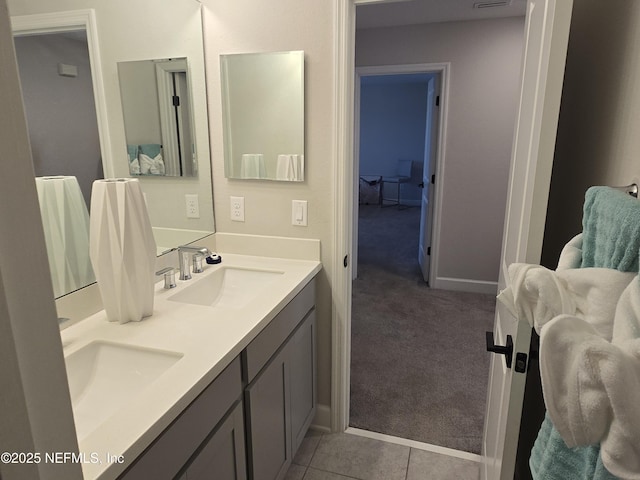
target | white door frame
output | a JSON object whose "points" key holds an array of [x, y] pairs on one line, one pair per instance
{"points": [[344, 61], [58, 22], [442, 69], [546, 38], [341, 269], [172, 156]]}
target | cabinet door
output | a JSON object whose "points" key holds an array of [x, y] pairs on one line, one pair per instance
{"points": [[302, 355], [222, 457], [269, 422]]}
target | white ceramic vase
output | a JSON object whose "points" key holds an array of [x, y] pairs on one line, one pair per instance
{"points": [[122, 249]]}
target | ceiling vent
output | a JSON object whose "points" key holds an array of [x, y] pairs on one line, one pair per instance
{"points": [[492, 4]]}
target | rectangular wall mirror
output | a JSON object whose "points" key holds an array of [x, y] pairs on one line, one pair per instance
{"points": [[156, 104], [73, 106], [263, 110]]}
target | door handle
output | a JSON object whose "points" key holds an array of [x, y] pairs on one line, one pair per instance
{"points": [[506, 350]]}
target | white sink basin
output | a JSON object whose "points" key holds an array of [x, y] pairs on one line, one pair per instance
{"points": [[228, 287], [104, 376]]}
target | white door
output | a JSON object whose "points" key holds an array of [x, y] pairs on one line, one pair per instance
{"points": [[546, 37], [426, 204]]}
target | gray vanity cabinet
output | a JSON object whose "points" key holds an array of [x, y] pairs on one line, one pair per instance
{"points": [[222, 457], [269, 421], [250, 421], [303, 379], [280, 399], [207, 437]]}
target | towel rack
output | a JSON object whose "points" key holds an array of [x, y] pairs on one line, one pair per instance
{"points": [[630, 189]]}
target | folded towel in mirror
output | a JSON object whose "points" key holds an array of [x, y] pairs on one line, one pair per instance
{"points": [[252, 166]]}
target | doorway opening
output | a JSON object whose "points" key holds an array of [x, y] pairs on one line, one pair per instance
{"points": [[398, 131], [416, 390]]}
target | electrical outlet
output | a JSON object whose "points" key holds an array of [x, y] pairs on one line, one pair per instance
{"points": [[193, 207], [237, 209]]}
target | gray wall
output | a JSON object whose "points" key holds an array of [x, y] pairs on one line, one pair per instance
{"points": [[61, 112], [140, 105], [598, 141], [393, 119], [485, 59]]}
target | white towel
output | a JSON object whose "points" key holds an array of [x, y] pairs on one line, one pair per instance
{"points": [[151, 166], [537, 294], [571, 255], [626, 324], [290, 167], [588, 321], [252, 166], [592, 389]]}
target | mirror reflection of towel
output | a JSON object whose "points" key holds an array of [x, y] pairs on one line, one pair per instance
{"points": [[150, 159], [134, 164], [290, 167], [253, 166]]}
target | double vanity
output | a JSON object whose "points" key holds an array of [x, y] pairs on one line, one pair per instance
{"points": [[218, 383]]}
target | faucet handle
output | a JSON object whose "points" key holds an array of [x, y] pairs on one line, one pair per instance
{"points": [[169, 277], [185, 272], [198, 262]]}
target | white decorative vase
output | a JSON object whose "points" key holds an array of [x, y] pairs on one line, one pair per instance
{"points": [[65, 220], [122, 249]]}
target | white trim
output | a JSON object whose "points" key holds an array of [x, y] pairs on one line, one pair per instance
{"points": [[444, 71], [322, 420], [427, 447], [356, 175], [344, 53], [69, 21], [170, 151], [466, 285]]}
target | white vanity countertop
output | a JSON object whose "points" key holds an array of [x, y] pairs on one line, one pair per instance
{"points": [[209, 339]]}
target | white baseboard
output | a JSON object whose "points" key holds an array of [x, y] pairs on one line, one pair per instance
{"points": [[322, 420], [465, 285]]}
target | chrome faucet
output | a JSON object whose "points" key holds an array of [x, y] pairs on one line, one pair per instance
{"points": [[199, 253]]}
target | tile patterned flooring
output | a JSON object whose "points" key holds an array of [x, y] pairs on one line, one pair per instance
{"points": [[344, 456]]}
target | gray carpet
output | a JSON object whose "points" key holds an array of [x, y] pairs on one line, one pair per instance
{"points": [[419, 367]]}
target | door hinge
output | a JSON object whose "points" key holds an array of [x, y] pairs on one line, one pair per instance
{"points": [[176, 101], [433, 179], [438, 101], [428, 250]]}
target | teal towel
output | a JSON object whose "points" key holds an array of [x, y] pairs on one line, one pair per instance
{"points": [[132, 150], [151, 150], [610, 230], [551, 459]]}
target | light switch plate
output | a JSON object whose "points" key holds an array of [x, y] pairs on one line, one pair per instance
{"points": [[299, 213], [237, 209]]}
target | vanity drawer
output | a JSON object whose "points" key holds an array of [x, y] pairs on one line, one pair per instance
{"points": [[169, 453], [265, 345]]}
